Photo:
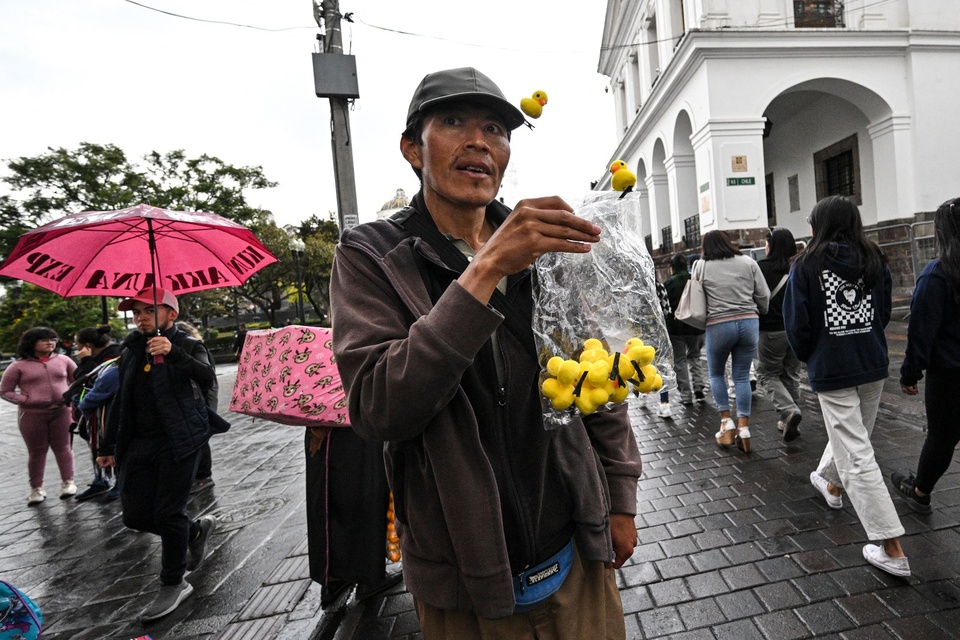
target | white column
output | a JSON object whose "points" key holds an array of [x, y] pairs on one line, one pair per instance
{"points": [[714, 14], [730, 173], [642, 226], [620, 98], [659, 198], [771, 14], [681, 181], [893, 166]]}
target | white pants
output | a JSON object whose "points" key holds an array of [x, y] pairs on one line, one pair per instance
{"points": [[848, 461]]}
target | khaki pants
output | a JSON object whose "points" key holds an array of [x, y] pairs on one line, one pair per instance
{"points": [[848, 460], [586, 607]]}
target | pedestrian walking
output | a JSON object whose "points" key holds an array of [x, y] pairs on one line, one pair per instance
{"points": [[664, 300], [779, 370], [736, 295], [203, 479], [507, 529], [687, 341], [239, 339], [36, 382], [94, 406], [837, 304], [94, 348], [933, 345], [158, 424]]}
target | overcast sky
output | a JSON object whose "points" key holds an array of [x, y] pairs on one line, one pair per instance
{"points": [[109, 71]]}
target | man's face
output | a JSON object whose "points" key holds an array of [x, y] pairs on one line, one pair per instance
{"points": [[464, 154], [143, 315]]}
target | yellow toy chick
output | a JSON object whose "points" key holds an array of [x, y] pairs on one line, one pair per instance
{"points": [[623, 179], [533, 106]]}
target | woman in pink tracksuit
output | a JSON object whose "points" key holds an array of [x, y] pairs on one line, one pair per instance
{"points": [[36, 383]]}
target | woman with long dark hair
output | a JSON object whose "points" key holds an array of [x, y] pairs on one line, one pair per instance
{"points": [[36, 382], [837, 304], [779, 369], [933, 345], [736, 295]]}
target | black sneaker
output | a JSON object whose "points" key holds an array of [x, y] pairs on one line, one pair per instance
{"points": [[699, 395], [95, 489], [905, 486], [169, 598], [334, 594], [198, 546], [112, 495], [200, 484], [791, 427]]}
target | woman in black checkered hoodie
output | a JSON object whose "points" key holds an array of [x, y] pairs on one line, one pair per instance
{"points": [[837, 303]]}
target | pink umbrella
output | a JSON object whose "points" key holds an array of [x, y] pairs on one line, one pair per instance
{"points": [[117, 253]]}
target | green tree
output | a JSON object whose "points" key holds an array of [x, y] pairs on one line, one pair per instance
{"points": [[320, 237], [30, 306], [96, 177]]}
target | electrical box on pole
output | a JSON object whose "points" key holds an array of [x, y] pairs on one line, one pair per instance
{"points": [[335, 77]]}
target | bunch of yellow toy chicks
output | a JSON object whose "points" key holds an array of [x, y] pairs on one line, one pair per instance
{"points": [[600, 377]]}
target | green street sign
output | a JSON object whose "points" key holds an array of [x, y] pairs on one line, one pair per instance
{"points": [[739, 182]]}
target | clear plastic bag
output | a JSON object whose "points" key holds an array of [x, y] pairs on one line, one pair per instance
{"points": [[608, 294]]}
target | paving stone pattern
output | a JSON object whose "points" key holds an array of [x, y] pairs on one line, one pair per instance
{"points": [[731, 545], [742, 546], [92, 577]]}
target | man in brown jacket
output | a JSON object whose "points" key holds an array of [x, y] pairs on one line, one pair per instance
{"points": [[507, 529]]}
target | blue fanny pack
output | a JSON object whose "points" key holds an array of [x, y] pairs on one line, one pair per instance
{"points": [[535, 585]]}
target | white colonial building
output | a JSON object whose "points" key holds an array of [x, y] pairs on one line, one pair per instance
{"points": [[741, 114]]}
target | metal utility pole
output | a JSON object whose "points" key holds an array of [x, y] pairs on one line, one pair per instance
{"points": [[335, 77]]}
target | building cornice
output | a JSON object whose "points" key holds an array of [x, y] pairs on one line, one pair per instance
{"points": [[698, 46]]}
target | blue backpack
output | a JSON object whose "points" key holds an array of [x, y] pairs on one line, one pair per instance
{"points": [[20, 617]]}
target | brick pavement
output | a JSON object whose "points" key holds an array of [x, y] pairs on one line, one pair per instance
{"points": [[732, 546], [92, 577], [741, 546]]}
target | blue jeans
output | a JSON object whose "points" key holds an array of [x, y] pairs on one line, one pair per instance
{"points": [[737, 338]]}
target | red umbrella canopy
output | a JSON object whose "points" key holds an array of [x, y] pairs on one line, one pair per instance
{"points": [[117, 253]]}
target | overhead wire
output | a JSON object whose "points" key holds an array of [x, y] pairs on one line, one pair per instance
{"points": [[770, 24], [223, 22]]}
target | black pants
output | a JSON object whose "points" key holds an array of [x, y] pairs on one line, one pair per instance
{"points": [[205, 463], [347, 499], [941, 396], [154, 489]]}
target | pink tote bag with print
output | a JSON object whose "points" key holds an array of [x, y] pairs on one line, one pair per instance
{"points": [[290, 376]]}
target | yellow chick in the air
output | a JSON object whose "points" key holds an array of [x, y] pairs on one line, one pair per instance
{"points": [[623, 178], [533, 106]]}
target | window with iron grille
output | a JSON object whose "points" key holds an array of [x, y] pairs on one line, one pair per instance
{"points": [[817, 15], [666, 238], [837, 170], [648, 240], [691, 232]]}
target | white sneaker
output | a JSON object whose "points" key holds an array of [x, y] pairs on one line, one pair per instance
{"points": [[820, 484], [665, 410], [67, 489], [875, 555], [36, 496]]}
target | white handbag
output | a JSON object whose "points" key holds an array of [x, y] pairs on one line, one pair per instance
{"points": [[692, 308]]}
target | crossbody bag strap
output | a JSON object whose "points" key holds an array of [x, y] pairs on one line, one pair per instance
{"points": [[421, 225], [783, 281]]}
